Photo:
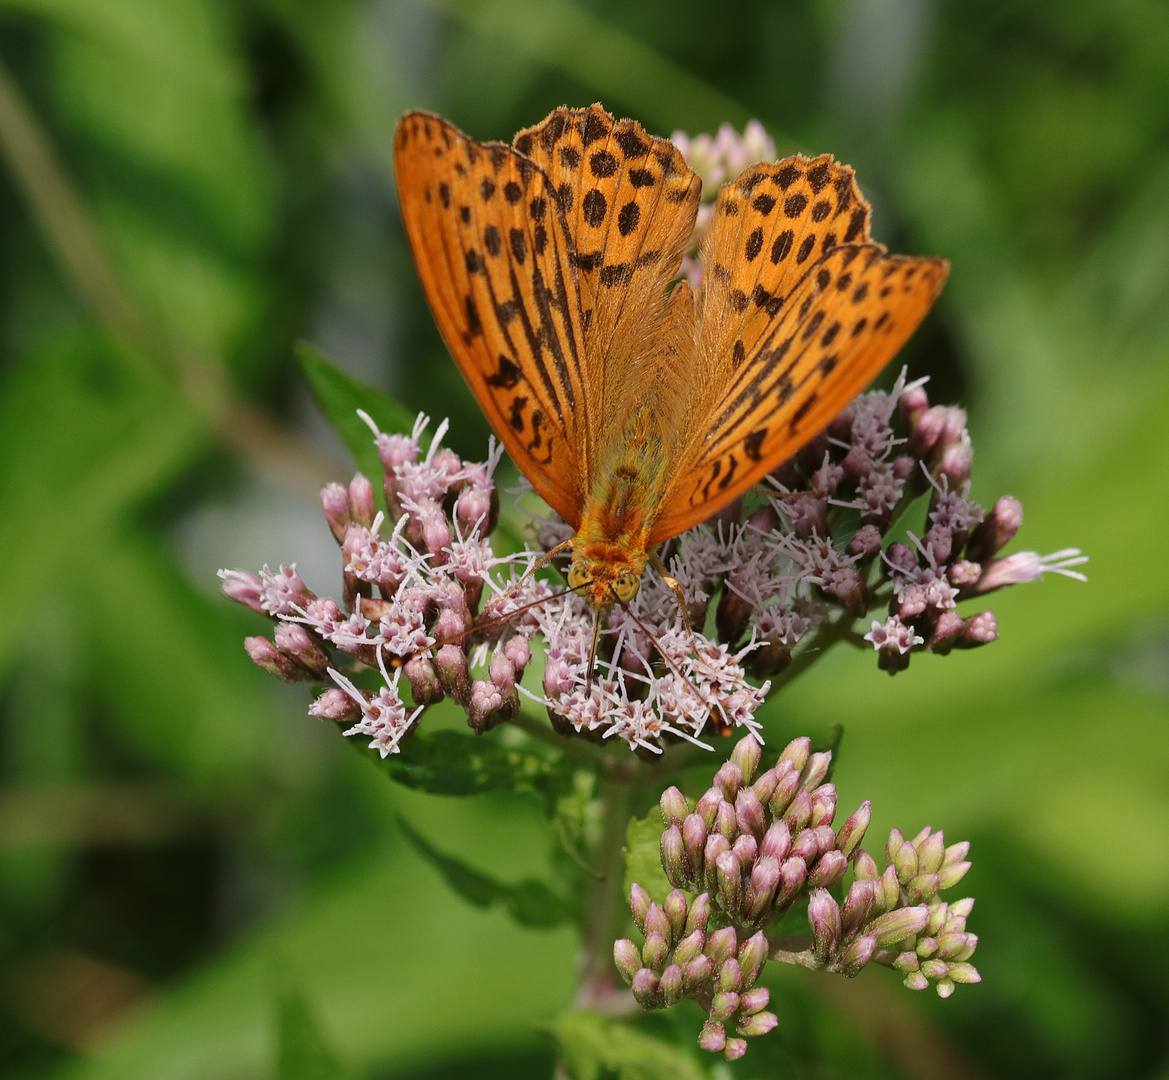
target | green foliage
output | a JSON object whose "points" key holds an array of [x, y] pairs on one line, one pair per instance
{"points": [[459, 763], [530, 903], [596, 1046], [643, 863], [339, 395], [303, 1053]]}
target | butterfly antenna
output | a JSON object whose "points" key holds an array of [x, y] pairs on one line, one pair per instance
{"points": [[539, 564]]}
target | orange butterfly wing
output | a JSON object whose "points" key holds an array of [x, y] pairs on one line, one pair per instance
{"points": [[496, 265], [799, 312], [629, 202]]}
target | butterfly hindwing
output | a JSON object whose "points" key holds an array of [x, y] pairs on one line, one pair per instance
{"points": [[849, 313], [496, 264]]}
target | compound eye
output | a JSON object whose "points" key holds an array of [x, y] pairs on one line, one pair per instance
{"points": [[576, 576], [626, 586]]}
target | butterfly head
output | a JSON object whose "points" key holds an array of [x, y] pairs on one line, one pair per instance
{"points": [[604, 583]]}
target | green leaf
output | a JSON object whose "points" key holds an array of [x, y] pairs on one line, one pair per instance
{"points": [[643, 862], [302, 1050], [458, 763], [529, 902], [340, 395], [593, 1046]]}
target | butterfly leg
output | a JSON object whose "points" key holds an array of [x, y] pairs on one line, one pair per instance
{"points": [[656, 562]]}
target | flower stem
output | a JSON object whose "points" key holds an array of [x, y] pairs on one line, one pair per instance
{"points": [[605, 916]]}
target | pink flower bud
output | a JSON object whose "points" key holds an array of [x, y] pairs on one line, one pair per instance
{"points": [[627, 958], [697, 974], [655, 950], [336, 705], [852, 832], [793, 873], [754, 1001], [823, 805], [713, 1037], [761, 888], [746, 755], [824, 919], [335, 503], [725, 821], [693, 844], [639, 905], [752, 956], [897, 925], [865, 541], [707, 807], [930, 852], [997, 529], [758, 1024], [724, 1005], [729, 881], [796, 752], [671, 985], [858, 905], [815, 770], [362, 506], [699, 913], [749, 813], [729, 779], [785, 790], [657, 922], [689, 947], [864, 864], [980, 629], [764, 786], [721, 945], [451, 666], [645, 988], [265, 655], [730, 976], [674, 807], [799, 813], [857, 955], [777, 841], [519, 652], [672, 851], [423, 679], [946, 633], [830, 869]]}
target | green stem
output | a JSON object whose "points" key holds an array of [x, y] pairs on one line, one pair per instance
{"points": [[606, 913], [804, 958]]}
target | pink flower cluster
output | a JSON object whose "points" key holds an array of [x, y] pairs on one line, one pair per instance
{"points": [[750, 847]]}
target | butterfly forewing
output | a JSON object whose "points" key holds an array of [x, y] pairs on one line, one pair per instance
{"points": [[629, 202], [496, 264], [845, 319]]}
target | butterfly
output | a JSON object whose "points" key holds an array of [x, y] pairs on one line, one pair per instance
{"points": [[635, 405]]}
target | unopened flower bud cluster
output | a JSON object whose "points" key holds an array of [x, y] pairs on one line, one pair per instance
{"points": [[753, 845]]}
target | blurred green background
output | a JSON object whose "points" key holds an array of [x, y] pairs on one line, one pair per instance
{"points": [[188, 186]]}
